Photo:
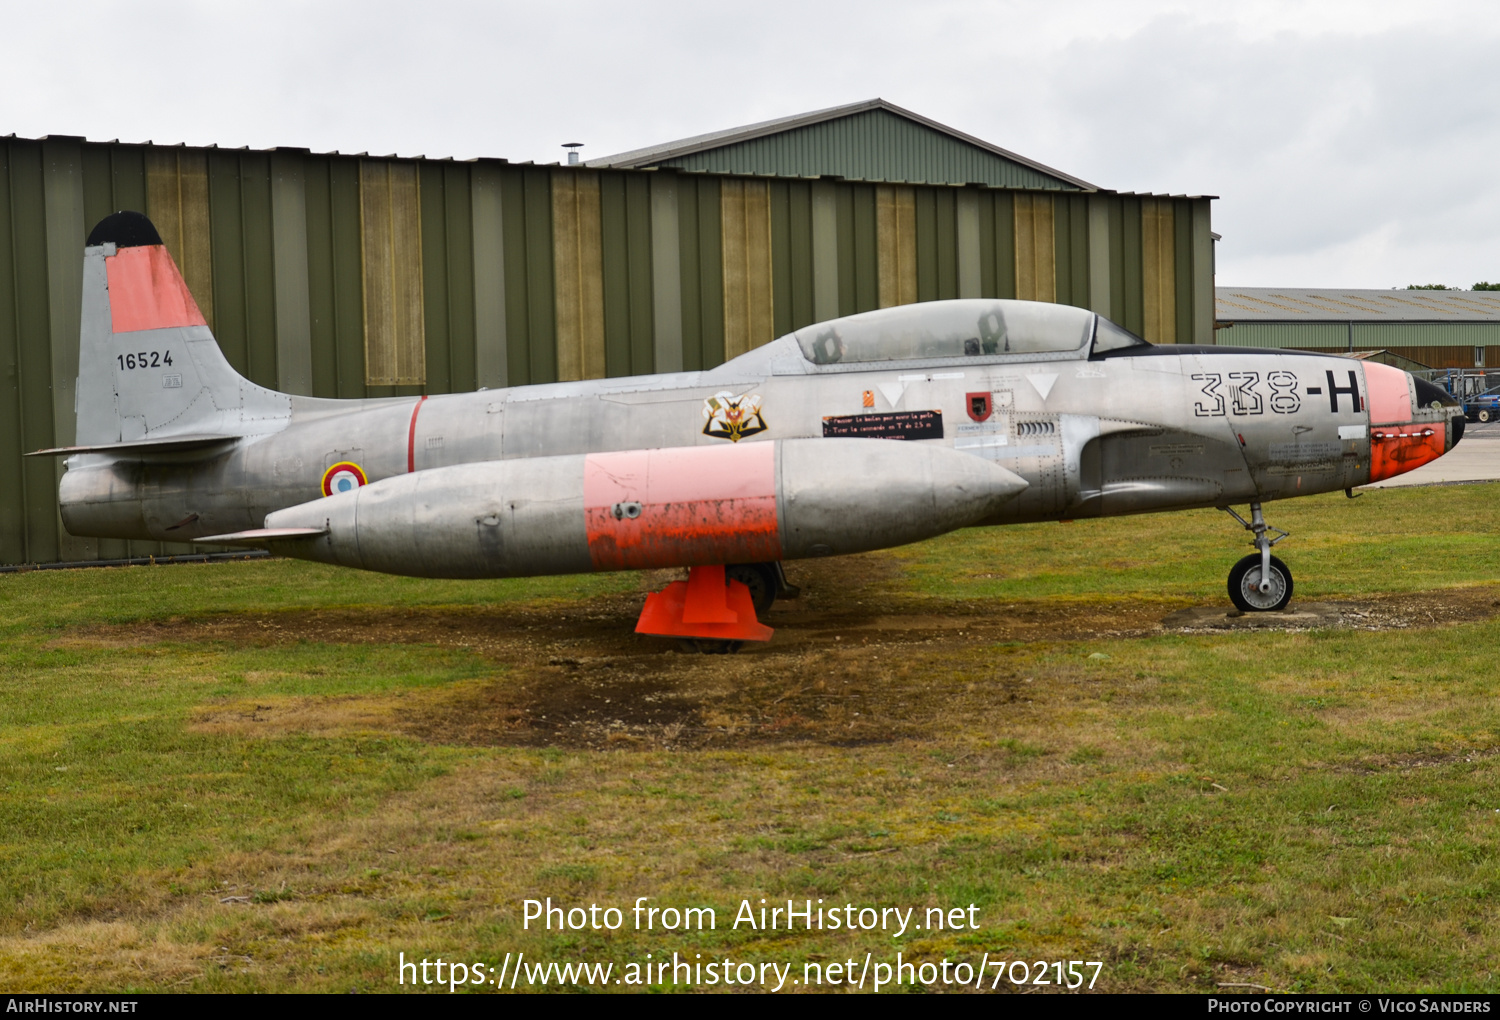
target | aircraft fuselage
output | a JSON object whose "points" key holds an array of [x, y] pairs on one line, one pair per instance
{"points": [[1115, 434]]}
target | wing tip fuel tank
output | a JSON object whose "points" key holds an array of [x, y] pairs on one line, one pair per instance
{"points": [[786, 499]]}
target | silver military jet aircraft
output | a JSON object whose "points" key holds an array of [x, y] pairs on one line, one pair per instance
{"points": [[1007, 411]]}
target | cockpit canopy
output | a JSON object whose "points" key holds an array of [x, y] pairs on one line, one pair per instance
{"points": [[971, 328]]}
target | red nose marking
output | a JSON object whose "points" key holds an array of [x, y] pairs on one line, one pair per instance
{"points": [[1390, 394], [1395, 451]]}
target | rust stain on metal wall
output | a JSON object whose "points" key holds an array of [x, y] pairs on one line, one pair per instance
{"points": [[1036, 251], [896, 244], [177, 202], [1159, 270], [390, 220], [749, 313], [578, 269]]}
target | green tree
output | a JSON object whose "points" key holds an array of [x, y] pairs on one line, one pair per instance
{"points": [[1430, 286], [1485, 285]]}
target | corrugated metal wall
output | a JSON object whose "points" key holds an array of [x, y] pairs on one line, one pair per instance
{"points": [[347, 276], [1435, 344]]}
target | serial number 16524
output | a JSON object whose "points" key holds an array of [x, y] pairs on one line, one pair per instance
{"points": [[145, 359]]}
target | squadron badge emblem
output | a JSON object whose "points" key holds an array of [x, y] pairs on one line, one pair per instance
{"points": [[978, 406], [733, 417]]}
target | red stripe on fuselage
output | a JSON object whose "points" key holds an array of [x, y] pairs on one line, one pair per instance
{"points": [[411, 436], [147, 292], [699, 505]]}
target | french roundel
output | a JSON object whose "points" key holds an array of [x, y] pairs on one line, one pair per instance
{"points": [[345, 476]]}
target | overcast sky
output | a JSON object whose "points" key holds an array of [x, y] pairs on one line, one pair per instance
{"points": [[1352, 144]]}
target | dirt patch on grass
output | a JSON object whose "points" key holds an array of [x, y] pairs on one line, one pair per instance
{"points": [[1423, 609], [854, 661], [849, 598], [1422, 759], [315, 716]]}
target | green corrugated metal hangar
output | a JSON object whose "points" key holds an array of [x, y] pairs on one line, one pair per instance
{"points": [[351, 275], [1435, 328]]}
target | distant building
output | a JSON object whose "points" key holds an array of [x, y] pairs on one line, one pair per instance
{"points": [[1436, 328]]}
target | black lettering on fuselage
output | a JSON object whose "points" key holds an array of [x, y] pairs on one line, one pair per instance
{"points": [[1284, 398], [1211, 382], [1334, 390], [1243, 397]]}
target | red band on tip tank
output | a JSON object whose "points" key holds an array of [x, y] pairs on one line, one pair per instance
{"points": [[411, 436], [147, 292], [696, 505]]}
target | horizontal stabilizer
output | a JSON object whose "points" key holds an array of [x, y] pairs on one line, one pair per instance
{"points": [[259, 535], [166, 444]]}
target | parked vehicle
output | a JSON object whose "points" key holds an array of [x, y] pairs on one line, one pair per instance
{"points": [[1483, 407], [1480, 401]]}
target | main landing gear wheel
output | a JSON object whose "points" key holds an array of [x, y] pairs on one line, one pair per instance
{"points": [[1245, 585], [760, 578], [763, 581], [708, 646]]}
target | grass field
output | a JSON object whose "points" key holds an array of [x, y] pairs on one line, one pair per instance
{"points": [[277, 776]]}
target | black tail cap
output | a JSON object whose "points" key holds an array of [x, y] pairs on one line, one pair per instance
{"points": [[124, 230]]}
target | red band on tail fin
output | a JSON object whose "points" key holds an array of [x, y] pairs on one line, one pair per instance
{"points": [[147, 292]]}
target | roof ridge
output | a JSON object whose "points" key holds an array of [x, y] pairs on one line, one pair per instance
{"points": [[637, 158], [1358, 304]]}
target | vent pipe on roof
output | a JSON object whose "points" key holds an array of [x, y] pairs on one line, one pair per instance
{"points": [[572, 148]]}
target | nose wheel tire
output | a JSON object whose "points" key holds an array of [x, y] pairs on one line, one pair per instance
{"points": [[1244, 586]]}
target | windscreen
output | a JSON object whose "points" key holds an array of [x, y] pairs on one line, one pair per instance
{"points": [[1109, 337], [947, 329]]}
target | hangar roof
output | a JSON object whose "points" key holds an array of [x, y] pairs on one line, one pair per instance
{"points": [[871, 140], [1297, 304]]}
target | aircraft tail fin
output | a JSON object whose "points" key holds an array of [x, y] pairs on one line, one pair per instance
{"points": [[148, 365]]}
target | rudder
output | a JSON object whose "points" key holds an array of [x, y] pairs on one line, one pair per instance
{"points": [[148, 364]]}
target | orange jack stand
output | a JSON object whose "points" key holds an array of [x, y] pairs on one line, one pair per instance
{"points": [[703, 606]]}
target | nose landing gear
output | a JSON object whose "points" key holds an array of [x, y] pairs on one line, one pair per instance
{"points": [[1260, 582]]}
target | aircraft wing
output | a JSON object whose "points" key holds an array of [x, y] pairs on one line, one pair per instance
{"points": [[257, 535]]}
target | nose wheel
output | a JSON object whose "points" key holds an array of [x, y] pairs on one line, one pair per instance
{"points": [[1254, 588], [1259, 583]]}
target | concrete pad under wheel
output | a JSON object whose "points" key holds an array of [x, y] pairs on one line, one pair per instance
{"points": [[1297, 616]]}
